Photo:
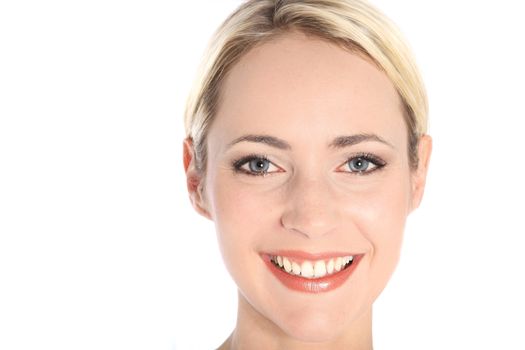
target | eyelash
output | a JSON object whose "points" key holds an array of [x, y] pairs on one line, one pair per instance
{"points": [[369, 157], [237, 164], [376, 161]]}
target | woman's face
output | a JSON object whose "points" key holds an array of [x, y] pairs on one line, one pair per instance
{"points": [[307, 162]]}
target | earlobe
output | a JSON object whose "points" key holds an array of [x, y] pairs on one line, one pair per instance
{"points": [[420, 174], [194, 179]]}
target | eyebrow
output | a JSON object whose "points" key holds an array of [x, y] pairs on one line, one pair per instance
{"points": [[338, 142], [346, 141], [266, 139]]}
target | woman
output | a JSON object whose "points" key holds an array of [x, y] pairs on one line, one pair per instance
{"points": [[306, 145]]}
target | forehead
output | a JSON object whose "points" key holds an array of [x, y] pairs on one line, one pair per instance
{"points": [[303, 83]]}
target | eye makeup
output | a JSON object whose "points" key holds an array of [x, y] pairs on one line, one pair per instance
{"points": [[359, 164], [259, 165]]}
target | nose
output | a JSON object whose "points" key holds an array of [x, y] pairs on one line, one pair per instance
{"points": [[311, 208]]}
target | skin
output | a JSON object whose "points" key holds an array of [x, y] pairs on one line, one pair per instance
{"points": [[307, 92]]}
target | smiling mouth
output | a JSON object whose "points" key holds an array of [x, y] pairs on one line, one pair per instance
{"points": [[312, 269], [311, 273]]}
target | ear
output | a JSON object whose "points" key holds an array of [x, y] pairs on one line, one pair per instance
{"points": [[194, 179], [419, 176]]}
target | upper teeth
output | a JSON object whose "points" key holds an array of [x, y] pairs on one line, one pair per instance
{"points": [[312, 269]]}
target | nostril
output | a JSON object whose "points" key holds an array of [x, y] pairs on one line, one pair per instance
{"points": [[309, 206], [308, 223]]}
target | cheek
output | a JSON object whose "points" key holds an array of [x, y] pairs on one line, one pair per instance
{"points": [[242, 217], [381, 218], [239, 209]]}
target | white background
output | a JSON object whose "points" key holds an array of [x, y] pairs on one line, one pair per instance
{"points": [[100, 248]]}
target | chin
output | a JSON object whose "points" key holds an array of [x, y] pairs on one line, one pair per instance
{"points": [[314, 328]]}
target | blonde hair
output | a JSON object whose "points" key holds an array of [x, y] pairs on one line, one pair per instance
{"points": [[352, 24]]}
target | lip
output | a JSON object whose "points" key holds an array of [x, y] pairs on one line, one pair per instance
{"points": [[311, 285]]}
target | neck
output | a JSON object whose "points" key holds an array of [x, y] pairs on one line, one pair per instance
{"points": [[254, 331]]}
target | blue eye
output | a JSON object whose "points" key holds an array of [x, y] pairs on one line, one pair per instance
{"points": [[359, 165], [255, 165], [260, 165], [363, 164]]}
